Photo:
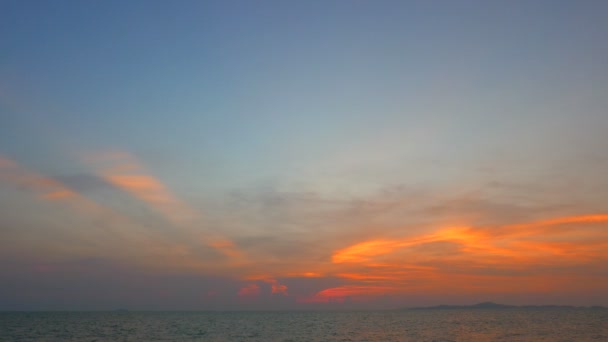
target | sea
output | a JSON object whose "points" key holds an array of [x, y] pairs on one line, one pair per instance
{"points": [[402, 325]]}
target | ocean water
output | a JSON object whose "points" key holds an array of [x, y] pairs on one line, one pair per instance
{"points": [[408, 325]]}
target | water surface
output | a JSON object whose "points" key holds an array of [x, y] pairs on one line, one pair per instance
{"points": [[409, 325]]}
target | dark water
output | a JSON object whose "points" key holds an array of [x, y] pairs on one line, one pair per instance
{"points": [[427, 325]]}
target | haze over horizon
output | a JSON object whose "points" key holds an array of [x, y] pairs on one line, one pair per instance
{"points": [[220, 155]]}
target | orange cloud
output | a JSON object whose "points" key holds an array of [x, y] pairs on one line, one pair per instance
{"points": [[542, 255], [563, 220], [151, 250], [364, 251], [226, 247], [251, 290], [124, 171], [392, 272], [305, 275], [61, 193], [347, 292], [459, 256], [45, 187], [278, 288], [473, 240]]}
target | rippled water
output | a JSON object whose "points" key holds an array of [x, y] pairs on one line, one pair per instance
{"points": [[424, 325]]}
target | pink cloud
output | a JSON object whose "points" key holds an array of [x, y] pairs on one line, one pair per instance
{"points": [[251, 290]]}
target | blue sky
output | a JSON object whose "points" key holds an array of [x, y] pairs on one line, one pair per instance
{"points": [[279, 133]]}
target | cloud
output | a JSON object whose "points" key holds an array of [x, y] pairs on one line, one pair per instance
{"points": [[348, 293], [227, 248], [84, 183], [45, 187], [275, 286], [124, 171], [365, 250], [289, 246], [407, 242], [279, 288], [461, 256], [249, 291], [95, 229]]}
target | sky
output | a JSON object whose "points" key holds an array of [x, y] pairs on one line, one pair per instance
{"points": [[249, 155]]}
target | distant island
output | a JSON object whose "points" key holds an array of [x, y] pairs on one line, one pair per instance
{"points": [[492, 305]]}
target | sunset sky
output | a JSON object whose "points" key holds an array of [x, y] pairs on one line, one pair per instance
{"points": [[302, 154]]}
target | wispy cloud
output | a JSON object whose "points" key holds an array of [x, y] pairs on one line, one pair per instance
{"points": [[351, 249], [126, 172], [348, 292], [530, 252], [105, 232], [52, 191], [45, 187]]}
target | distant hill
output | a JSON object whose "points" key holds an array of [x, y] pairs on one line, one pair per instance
{"points": [[492, 305]]}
